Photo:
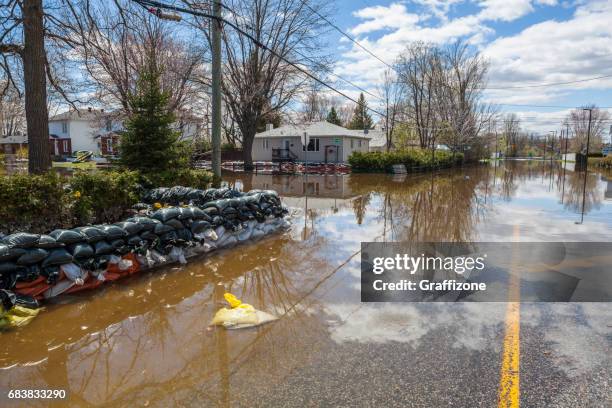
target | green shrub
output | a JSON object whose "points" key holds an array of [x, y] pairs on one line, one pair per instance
{"points": [[196, 178], [384, 161], [41, 203], [103, 196]]}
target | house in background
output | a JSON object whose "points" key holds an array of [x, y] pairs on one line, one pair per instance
{"points": [[13, 144], [100, 132], [328, 143]]}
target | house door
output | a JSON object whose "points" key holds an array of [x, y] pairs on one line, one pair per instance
{"points": [[286, 146]]}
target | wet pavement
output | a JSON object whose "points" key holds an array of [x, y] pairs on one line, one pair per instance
{"points": [[145, 341]]}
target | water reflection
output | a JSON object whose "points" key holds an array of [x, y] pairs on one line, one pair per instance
{"points": [[146, 340]]}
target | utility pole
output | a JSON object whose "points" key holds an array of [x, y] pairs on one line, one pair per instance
{"points": [[586, 164], [216, 89]]}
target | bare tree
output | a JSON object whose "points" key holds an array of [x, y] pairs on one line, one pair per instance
{"points": [[511, 133], [117, 40], [256, 82], [315, 105], [391, 91], [578, 120], [12, 113], [419, 68]]}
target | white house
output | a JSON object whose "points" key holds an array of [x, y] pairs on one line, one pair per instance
{"points": [[99, 131], [327, 143]]}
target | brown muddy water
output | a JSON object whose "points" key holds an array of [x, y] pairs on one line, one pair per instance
{"points": [[145, 341]]}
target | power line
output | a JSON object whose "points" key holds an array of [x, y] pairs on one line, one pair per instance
{"points": [[551, 83], [353, 40], [545, 106]]}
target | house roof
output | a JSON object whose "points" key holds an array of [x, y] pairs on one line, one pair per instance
{"points": [[313, 129], [378, 138], [81, 114]]}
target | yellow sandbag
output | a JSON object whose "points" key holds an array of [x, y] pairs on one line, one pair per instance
{"points": [[232, 300], [18, 316], [241, 315]]}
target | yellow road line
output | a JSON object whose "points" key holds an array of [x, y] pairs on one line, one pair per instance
{"points": [[509, 383]]}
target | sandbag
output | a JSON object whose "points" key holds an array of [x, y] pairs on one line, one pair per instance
{"points": [[175, 223], [92, 234], [134, 241], [130, 227], [7, 253], [148, 236], [199, 226], [52, 273], [58, 256], [7, 267], [185, 213], [113, 232], [32, 256], [165, 214], [118, 244], [48, 242], [21, 240], [67, 236], [162, 229], [81, 250], [103, 248], [147, 224]]}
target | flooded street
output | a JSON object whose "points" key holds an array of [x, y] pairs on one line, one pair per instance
{"points": [[145, 341]]}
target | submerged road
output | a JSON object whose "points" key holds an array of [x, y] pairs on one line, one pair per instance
{"points": [[146, 341]]}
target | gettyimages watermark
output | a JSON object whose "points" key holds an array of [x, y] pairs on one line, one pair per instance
{"points": [[486, 272]]}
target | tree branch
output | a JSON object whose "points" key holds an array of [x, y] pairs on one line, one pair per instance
{"points": [[11, 49]]}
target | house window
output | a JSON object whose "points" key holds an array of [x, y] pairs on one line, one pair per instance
{"points": [[64, 127], [109, 145], [65, 146], [352, 144], [359, 143], [313, 145], [109, 125], [266, 144]]}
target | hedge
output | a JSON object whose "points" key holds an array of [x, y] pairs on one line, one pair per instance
{"points": [[40, 203], [384, 161]]}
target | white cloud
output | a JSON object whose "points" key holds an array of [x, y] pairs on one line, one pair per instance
{"points": [[549, 51], [380, 17]]}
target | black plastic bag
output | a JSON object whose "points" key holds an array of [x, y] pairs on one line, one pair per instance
{"points": [[147, 224], [134, 241], [185, 213], [175, 223], [92, 234], [7, 268], [7, 299], [26, 301], [200, 226], [52, 273], [113, 232], [81, 250], [32, 256], [59, 256], [67, 236], [130, 227], [7, 253], [21, 240], [162, 229], [48, 242], [103, 248], [117, 244], [166, 214], [149, 235]]}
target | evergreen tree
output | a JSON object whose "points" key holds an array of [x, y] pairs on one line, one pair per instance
{"points": [[149, 144], [332, 117], [361, 118]]}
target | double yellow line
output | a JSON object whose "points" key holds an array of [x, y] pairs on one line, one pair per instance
{"points": [[509, 383]]}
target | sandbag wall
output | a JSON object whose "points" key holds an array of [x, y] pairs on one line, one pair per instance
{"points": [[35, 267]]}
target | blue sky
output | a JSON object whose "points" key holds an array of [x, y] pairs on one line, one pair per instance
{"points": [[526, 41]]}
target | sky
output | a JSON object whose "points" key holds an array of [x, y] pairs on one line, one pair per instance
{"points": [[527, 42]]}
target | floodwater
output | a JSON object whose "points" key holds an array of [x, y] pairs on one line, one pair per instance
{"points": [[145, 341]]}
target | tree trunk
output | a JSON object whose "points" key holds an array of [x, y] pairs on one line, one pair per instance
{"points": [[34, 61], [247, 151]]}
